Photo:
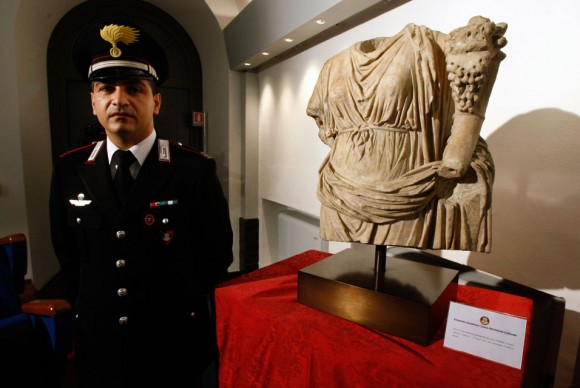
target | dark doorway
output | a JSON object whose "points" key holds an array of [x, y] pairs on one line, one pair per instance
{"points": [[71, 120]]}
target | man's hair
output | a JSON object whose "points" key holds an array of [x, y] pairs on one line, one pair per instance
{"points": [[154, 86]]}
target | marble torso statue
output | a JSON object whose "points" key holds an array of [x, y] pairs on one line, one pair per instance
{"points": [[402, 116]]}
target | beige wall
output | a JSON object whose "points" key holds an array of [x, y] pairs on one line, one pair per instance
{"points": [[26, 155]]}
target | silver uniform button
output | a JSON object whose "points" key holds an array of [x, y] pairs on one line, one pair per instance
{"points": [[121, 234], [192, 314], [165, 220], [120, 263], [123, 321], [78, 220], [122, 291]]}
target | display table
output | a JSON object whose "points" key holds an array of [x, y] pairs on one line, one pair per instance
{"points": [[267, 339]]}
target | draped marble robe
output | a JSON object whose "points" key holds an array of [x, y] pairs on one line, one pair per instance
{"points": [[387, 110]]}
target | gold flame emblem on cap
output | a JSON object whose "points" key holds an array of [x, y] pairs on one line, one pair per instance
{"points": [[114, 34]]}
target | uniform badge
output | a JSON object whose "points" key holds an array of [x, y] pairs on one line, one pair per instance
{"points": [[163, 148], [167, 236], [172, 202], [80, 201], [96, 150], [115, 34], [149, 219]]}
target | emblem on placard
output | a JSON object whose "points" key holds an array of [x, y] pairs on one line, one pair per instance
{"points": [[80, 201]]}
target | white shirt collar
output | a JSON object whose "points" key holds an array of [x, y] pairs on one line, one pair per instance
{"points": [[140, 150]]}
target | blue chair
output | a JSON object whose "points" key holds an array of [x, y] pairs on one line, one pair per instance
{"points": [[35, 335]]}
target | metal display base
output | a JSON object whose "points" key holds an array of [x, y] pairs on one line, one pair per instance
{"points": [[407, 299]]}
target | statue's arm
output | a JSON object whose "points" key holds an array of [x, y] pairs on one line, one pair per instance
{"points": [[473, 56]]}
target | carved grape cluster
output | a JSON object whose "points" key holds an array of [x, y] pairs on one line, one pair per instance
{"points": [[470, 51], [465, 84]]}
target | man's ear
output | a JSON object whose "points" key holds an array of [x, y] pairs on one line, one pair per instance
{"points": [[157, 101], [93, 104]]}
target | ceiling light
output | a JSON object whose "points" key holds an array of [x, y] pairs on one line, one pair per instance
{"points": [[247, 64], [320, 21], [265, 53], [288, 40]]}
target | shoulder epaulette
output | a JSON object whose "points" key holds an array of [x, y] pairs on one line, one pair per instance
{"points": [[190, 149], [77, 149]]}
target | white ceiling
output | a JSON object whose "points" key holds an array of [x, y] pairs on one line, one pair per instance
{"points": [[270, 31], [226, 10]]}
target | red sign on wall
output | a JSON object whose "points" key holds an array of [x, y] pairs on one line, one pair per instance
{"points": [[198, 119]]}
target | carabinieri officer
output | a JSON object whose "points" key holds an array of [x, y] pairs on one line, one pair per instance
{"points": [[141, 264]]}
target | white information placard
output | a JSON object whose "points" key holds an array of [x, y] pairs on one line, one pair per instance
{"points": [[485, 333]]}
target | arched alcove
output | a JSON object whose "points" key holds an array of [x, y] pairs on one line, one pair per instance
{"points": [[71, 120]]}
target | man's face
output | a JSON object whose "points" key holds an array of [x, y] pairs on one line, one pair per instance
{"points": [[125, 108]]}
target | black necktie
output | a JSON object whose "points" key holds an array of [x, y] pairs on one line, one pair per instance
{"points": [[123, 179]]}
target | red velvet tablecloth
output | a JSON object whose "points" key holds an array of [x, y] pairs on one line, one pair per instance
{"points": [[267, 339]]}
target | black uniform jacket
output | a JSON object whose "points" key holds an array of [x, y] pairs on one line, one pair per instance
{"points": [[140, 273]]}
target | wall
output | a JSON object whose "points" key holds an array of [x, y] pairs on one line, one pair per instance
{"points": [[531, 127], [12, 193], [27, 154]]}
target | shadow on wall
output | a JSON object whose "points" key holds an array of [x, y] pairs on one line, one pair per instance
{"points": [[536, 213]]}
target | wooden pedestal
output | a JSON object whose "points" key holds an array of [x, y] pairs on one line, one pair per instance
{"points": [[408, 300]]}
